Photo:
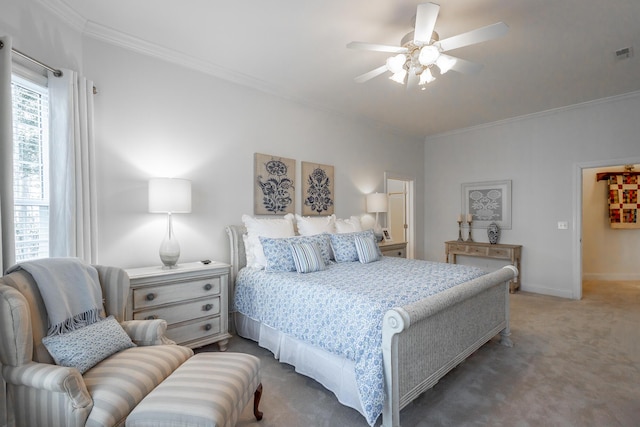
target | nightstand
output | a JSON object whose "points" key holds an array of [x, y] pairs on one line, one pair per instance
{"points": [[398, 249], [193, 298]]}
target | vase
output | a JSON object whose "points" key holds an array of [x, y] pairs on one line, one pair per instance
{"points": [[493, 232]]}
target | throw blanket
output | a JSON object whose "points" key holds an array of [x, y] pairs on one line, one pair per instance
{"points": [[70, 290]]}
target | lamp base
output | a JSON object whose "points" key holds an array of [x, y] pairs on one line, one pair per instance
{"points": [[169, 248]]}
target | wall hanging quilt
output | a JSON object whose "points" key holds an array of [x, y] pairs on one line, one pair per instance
{"points": [[623, 201]]}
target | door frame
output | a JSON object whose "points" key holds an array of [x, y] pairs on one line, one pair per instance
{"points": [[411, 212], [577, 214]]}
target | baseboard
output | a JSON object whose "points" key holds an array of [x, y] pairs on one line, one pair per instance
{"points": [[562, 293], [610, 277]]}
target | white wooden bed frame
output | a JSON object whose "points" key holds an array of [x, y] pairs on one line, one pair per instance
{"points": [[423, 341]]}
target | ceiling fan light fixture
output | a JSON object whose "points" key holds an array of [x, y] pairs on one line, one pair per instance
{"points": [[429, 55], [399, 76], [426, 77], [396, 63], [445, 63]]}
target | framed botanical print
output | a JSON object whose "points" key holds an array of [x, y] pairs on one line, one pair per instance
{"points": [[317, 189], [487, 202], [274, 185]]}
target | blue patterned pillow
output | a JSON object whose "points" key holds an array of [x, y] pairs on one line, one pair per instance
{"points": [[344, 247], [85, 347], [367, 249], [277, 251], [307, 257]]}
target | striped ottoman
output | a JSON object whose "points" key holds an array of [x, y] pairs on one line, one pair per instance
{"points": [[208, 390]]}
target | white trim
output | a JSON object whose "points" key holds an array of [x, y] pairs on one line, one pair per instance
{"points": [[611, 277], [66, 13], [117, 38], [576, 232], [535, 115], [411, 211]]}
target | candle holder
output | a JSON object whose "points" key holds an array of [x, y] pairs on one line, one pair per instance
{"points": [[460, 239], [469, 239]]}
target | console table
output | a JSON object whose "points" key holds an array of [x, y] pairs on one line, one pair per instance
{"points": [[511, 253]]}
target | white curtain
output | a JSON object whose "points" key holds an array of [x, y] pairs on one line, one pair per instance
{"points": [[73, 202], [7, 246], [7, 250]]}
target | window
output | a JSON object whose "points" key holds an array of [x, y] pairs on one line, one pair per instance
{"points": [[30, 166]]}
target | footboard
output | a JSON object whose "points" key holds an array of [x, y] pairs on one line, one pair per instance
{"points": [[423, 341]]}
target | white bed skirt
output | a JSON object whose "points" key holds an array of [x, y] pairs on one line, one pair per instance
{"points": [[335, 373]]}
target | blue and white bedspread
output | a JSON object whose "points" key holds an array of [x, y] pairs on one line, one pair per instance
{"points": [[341, 308]]}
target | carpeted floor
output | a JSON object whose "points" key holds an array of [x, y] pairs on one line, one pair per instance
{"points": [[574, 363]]}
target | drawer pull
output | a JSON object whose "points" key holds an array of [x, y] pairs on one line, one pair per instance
{"points": [[208, 287], [150, 297], [152, 317], [207, 307], [207, 327]]}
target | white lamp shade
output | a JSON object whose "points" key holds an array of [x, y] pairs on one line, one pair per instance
{"points": [[169, 195], [377, 202]]}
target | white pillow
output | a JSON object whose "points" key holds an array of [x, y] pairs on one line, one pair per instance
{"points": [[348, 225], [265, 227], [312, 225]]}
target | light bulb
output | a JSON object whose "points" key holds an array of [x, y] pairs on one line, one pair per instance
{"points": [[445, 63], [426, 77], [428, 55], [399, 76], [396, 63]]}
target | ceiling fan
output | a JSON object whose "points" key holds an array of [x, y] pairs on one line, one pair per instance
{"points": [[421, 50]]}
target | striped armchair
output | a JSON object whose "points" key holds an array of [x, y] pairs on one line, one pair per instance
{"points": [[41, 393]]}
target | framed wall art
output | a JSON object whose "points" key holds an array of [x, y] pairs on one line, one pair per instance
{"points": [[317, 189], [487, 202], [274, 185]]}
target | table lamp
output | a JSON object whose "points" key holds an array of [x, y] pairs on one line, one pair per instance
{"points": [[377, 202], [169, 195]]}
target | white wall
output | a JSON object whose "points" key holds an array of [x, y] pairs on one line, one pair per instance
{"points": [[540, 154], [154, 118], [607, 253]]}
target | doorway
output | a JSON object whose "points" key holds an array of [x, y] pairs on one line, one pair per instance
{"points": [[400, 215], [578, 230]]}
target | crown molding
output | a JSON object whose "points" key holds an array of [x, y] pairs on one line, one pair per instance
{"points": [[544, 113], [144, 47], [66, 13], [117, 38]]}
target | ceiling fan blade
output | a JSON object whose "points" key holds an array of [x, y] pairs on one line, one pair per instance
{"points": [[371, 74], [376, 47], [464, 66], [479, 35], [426, 16]]}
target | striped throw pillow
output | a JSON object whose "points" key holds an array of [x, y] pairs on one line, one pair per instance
{"points": [[307, 257], [367, 249]]}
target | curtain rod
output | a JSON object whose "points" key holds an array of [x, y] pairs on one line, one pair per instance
{"points": [[55, 72]]}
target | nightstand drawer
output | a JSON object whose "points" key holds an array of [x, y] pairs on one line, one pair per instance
{"points": [[180, 313], [163, 294], [392, 249], [399, 253], [193, 331]]}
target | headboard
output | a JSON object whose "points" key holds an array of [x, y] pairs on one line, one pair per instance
{"points": [[237, 255]]}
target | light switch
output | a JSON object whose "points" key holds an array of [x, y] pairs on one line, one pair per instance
{"points": [[563, 225]]}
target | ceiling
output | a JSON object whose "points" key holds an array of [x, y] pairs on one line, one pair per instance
{"points": [[556, 53]]}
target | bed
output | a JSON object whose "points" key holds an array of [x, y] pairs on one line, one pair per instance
{"points": [[388, 357]]}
